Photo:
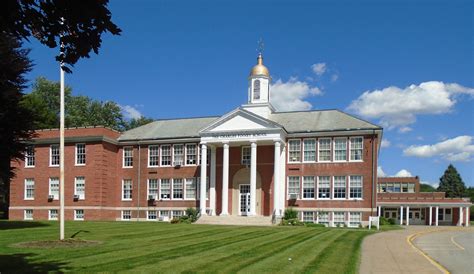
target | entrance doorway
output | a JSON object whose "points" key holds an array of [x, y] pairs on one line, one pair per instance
{"points": [[244, 200]]}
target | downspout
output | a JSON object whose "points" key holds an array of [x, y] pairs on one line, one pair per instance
{"points": [[374, 183], [138, 178]]}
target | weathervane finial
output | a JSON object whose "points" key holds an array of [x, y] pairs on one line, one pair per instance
{"points": [[261, 46]]}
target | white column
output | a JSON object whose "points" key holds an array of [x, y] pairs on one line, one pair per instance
{"points": [[436, 215], [460, 216], [202, 194], [467, 216], [212, 187], [431, 216], [282, 194], [379, 212], [253, 179], [225, 180], [408, 215], [276, 179], [401, 215]]}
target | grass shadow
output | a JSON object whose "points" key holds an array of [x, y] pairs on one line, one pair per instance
{"points": [[6, 225], [21, 263]]}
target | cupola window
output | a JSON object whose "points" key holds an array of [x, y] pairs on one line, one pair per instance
{"points": [[256, 90]]}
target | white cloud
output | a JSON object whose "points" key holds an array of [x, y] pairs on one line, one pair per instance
{"points": [[396, 107], [319, 68], [385, 143], [405, 129], [458, 149], [380, 172], [130, 112], [334, 77], [435, 185], [291, 95], [403, 173]]}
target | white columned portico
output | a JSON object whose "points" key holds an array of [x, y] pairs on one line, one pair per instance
{"points": [[431, 216], [460, 216], [436, 215], [225, 179], [276, 179], [253, 178], [212, 187], [379, 211], [401, 215], [408, 216], [202, 193]]}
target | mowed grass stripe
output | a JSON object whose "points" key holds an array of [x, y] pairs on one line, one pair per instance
{"points": [[295, 257], [332, 260]]}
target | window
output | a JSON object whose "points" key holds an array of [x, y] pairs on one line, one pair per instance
{"points": [[338, 218], [339, 187], [153, 188], [28, 214], [355, 187], [324, 151], [178, 155], [79, 214], [340, 149], [164, 213], [177, 188], [256, 89], [152, 215], [53, 214], [153, 157], [80, 187], [191, 188], [199, 186], [246, 155], [166, 155], [324, 187], [294, 152], [208, 154], [127, 190], [355, 219], [54, 155], [308, 187], [54, 187], [175, 214], [308, 216], [165, 189], [80, 154], [128, 156], [411, 188], [30, 156], [191, 154], [323, 218], [126, 215], [309, 150], [29, 189], [396, 187], [356, 148], [293, 186]]}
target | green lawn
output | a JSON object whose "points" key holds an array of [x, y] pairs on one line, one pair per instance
{"points": [[163, 247]]}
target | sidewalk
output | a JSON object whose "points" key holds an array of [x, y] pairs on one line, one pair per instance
{"points": [[390, 252]]}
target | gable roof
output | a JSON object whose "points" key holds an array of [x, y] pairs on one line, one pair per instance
{"points": [[319, 120]]}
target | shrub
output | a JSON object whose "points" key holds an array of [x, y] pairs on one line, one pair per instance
{"points": [[391, 221], [383, 221], [290, 214], [309, 224], [175, 220], [192, 214], [291, 222]]}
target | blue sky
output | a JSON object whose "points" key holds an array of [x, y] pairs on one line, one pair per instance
{"points": [[406, 65]]}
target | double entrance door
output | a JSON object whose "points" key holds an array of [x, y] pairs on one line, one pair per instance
{"points": [[244, 200]]}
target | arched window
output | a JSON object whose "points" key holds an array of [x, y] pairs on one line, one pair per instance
{"points": [[256, 90]]}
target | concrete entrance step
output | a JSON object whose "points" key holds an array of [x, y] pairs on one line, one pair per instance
{"points": [[235, 220]]}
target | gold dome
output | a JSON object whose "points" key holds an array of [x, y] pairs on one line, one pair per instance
{"points": [[259, 69]]}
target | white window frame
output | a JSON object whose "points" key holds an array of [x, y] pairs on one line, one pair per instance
{"points": [[123, 189], [76, 154], [310, 214], [170, 194], [157, 147], [340, 222], [83, 195], [29, 181], [319, 149], [302, 188], [289, 151], [51, 155], [317, 188], [170, 154], [122, 215], [334, 149], [361, 187], [183, 155], [334, 187], [359, 221], [362, 149], [50, 215], [243, 160], [155, 190], [298, 191], [194, 182], [148, 215], [25, 214], [315, 150], [326, 222], [126, 148], [56, 196], [28, 156], [76, 218], [196, 148], [173, 188]]}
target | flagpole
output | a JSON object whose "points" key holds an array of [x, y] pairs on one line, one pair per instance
{"points": [[61, 158]]}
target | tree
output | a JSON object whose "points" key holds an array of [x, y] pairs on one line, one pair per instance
{"points": [[134, 122], [451, 183], [15, 120], [427, 188], [77, 25]]}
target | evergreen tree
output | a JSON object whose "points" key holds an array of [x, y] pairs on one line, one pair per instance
{"points": [[451, 183]]}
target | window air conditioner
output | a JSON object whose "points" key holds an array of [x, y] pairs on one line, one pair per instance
{"points": [[177, 163], [76, 197], [151, 197], [293, 196], [50, 197]]}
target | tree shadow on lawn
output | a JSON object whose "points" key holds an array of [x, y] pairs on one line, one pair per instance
{"points": [[21, 263], [6, 225]]}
